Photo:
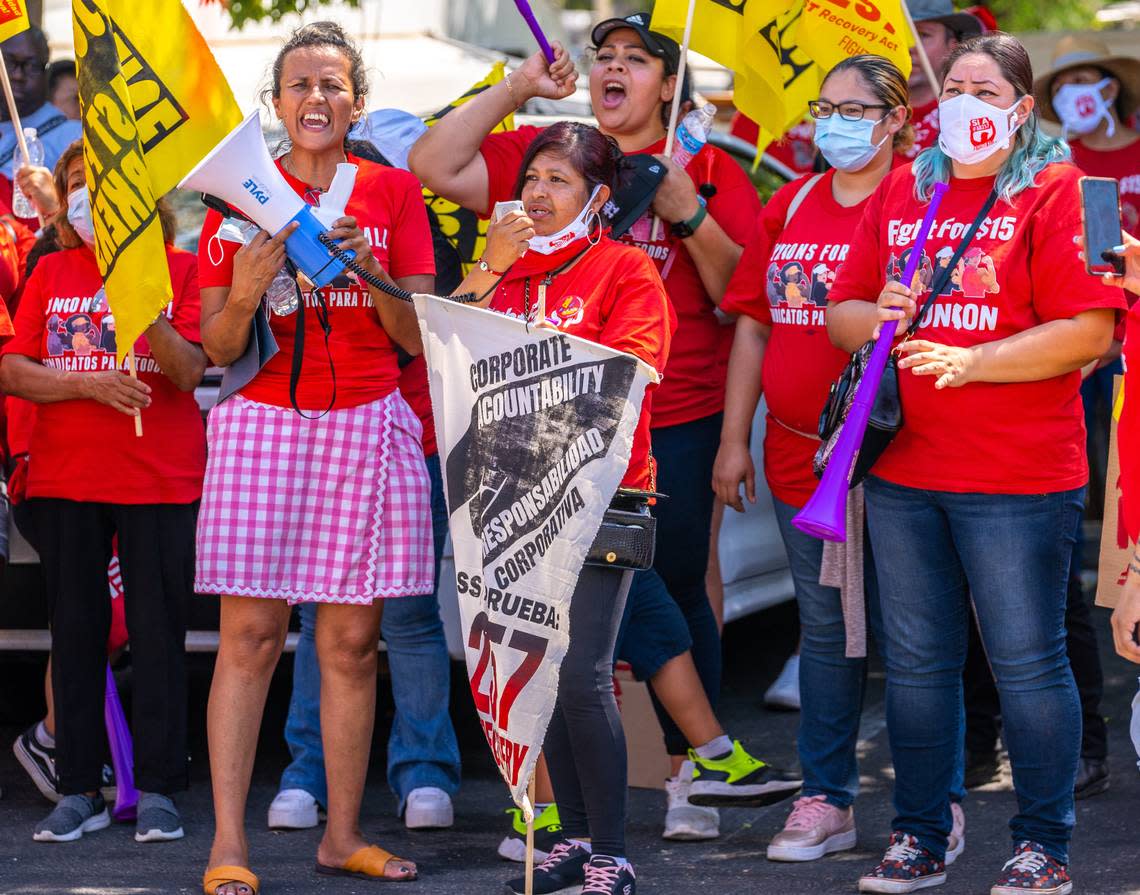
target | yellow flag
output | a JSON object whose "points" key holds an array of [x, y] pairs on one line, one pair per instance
{"points": [[462, 227], [829, 32], [13, 18], [153, 103]]}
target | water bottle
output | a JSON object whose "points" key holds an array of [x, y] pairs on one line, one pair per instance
{"points": [[692, 134], [1135, 729], [282, 294], [22, 206]]}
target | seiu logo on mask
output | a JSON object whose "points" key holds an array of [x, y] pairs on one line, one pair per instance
{"points": [[982, 131], [255, 189]]}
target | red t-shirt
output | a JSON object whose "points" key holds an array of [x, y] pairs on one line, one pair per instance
{"points": [[796, 148], [86, 451], [414, 388], [783, 281], [388, 206], [1021, 271], [613, 296], [693, 386], [1123, 165], [925, 122]]}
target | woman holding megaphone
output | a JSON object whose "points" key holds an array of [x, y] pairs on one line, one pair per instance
{"points": [[328, 504], [977, 498]]}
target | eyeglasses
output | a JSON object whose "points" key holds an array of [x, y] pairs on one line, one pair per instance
{"points": [[848, 111], [29, 66]]}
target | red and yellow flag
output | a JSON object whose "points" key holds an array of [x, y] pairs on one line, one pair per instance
{"points": [[13, 18]]}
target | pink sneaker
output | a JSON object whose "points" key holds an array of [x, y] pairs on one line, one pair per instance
{"points": [[813, 829], [956, 844]]}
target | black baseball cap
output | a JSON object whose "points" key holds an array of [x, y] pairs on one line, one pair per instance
{"points": [[639, 177], [665, 48]]}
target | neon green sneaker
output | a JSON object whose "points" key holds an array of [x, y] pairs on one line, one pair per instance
{"points": [[739, 779], [547, 833]]}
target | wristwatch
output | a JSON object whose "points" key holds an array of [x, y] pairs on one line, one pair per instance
{"points": [[486, 268], [685, 229]]}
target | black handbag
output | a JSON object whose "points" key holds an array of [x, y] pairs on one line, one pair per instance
{"points": [[886, 416], [628, 534]]}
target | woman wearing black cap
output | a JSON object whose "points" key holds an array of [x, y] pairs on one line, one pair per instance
{"points": [[707, 209]]}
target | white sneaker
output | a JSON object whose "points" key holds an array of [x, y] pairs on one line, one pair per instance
{"points": [[293, 809], [685, 822], [956, 844], [785, 690], [428, 808]]}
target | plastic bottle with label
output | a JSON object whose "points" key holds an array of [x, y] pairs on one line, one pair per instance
{"points": [[22, 206], [692, 134], [1135, 730]]}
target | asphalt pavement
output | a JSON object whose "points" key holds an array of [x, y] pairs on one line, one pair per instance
{"points": [[462, 860]]}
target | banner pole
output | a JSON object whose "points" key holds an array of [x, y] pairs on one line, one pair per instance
{"points": [[133, 367], [924, 60], [529, 886], [14, 117], [674, 112]]}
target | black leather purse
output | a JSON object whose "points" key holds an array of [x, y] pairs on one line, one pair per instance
{"points": [[886, 413], [628, 534]]}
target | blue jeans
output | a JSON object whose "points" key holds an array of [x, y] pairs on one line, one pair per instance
{"points": [[422, 748], [831, 684], [685, 455], [1012, 552], [653, 629]]}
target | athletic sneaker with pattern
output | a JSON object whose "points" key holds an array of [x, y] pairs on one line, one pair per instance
{"points": [[608, 876], [563, 871], [906, 867], [1031, 870], [739, 779], [547, 834]]}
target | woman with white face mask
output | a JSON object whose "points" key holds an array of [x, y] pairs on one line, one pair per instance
{"points": [[1091, 93], [91, 479], [781, 350], [553, 264], [977, 498]]}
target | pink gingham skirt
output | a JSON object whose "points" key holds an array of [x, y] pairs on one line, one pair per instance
{"points": [[335, 510]]}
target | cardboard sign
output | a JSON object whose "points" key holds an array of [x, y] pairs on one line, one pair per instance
{"points": [[1115, 548]]}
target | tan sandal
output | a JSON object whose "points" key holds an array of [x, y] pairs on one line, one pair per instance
{"points": [[368, 863], [229, 874]]}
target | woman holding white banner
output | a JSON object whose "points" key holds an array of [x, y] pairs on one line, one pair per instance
{"points": [[973, 506], [553, 265], [330, 508]]}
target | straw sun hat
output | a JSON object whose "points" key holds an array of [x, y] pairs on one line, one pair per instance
{"points": [[1077, 51]]}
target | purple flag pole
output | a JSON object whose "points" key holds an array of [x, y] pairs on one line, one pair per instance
{"points": [[122, 752], [535, 29], [825, 515]]}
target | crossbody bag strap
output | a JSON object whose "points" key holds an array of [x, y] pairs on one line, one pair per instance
{"points": [[799, 197], [46, 128], [939, 280]]}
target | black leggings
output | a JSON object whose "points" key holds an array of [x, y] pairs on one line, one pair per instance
{"points": [[585, 744], [156, 555]]}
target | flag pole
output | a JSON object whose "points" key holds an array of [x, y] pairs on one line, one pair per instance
{"points": [[924, 60], [529, 884], [675, 111], [133, 367], [14, 117]]}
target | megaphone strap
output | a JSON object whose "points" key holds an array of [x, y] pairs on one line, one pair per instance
{"points": [[322, 312]]}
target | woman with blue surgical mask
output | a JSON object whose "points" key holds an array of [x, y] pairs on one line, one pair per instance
{"points": [[781, 350]]}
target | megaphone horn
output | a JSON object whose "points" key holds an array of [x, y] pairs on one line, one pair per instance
{"points": [[240, 172]]}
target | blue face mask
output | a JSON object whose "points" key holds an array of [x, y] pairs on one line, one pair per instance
{"points": [[846, 144]]}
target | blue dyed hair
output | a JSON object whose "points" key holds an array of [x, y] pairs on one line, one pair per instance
{"points": [[1032, 149]]}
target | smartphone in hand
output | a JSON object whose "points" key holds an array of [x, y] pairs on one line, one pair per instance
{"points": [[1100, 217], [502, 208]]}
